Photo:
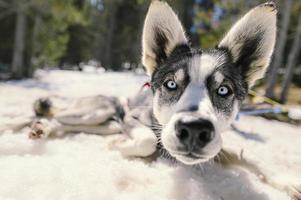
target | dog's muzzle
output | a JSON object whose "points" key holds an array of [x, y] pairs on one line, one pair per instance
{"points": [[194, 135], [191, 139]]}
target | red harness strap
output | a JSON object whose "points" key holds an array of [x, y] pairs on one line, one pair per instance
{"points": [[146, 85]]}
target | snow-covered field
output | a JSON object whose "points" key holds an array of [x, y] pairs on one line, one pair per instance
{"points": [[80, 166]]}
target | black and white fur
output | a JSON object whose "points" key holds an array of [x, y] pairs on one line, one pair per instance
{"points": [[196, 93], [57, 115], [192, 87]]}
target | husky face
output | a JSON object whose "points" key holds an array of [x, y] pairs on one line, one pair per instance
{"points": [[197, 92]]}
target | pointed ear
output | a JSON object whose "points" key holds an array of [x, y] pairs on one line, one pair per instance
{"points": [[162, 32], [251, 41]]}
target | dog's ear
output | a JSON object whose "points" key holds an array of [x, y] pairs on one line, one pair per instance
{"points": [[162, 32], [251, 41]]}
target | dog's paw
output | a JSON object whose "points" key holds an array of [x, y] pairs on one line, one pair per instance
{"points": [[290, 184], [37, 130], [295, 192], [139, 144]]}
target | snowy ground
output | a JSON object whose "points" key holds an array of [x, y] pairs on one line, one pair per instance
{"points": [[80, 166]]}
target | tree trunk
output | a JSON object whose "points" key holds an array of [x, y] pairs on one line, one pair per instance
{"points": [[34, 44], [293, 55], [110, 36], [279, 50], [19, 45]]}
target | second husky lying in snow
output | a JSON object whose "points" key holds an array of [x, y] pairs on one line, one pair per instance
{"points": [[195, 93]]}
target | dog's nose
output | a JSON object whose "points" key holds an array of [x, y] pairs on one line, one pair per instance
{"points": [[194, 134]]}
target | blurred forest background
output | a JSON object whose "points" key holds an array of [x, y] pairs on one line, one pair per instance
{"points": [[70, 34]]}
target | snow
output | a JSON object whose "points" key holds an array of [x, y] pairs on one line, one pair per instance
{"points": [[80, 166], [295, 113]]}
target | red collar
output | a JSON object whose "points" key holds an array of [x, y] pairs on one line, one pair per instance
{"points": [[146, 85]]}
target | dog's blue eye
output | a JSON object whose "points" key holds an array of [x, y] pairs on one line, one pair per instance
{"points": [[223, 91], [171, 85]]}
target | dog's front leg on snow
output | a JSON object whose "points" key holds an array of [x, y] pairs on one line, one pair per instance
{"points": [[141, 142], [289, 184], [138, 141]]}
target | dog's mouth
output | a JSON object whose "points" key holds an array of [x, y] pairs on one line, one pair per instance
{"points": [[191, 158]]}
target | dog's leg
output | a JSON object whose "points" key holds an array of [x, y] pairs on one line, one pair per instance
{"points": [[141, 142], [44, 127], [73, 117], [291, 185], [108, 128]]}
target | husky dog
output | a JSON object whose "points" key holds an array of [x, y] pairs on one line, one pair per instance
{"points": [[195, 93]]}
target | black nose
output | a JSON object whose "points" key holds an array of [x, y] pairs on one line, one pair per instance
{"points": [[194, 134]]}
